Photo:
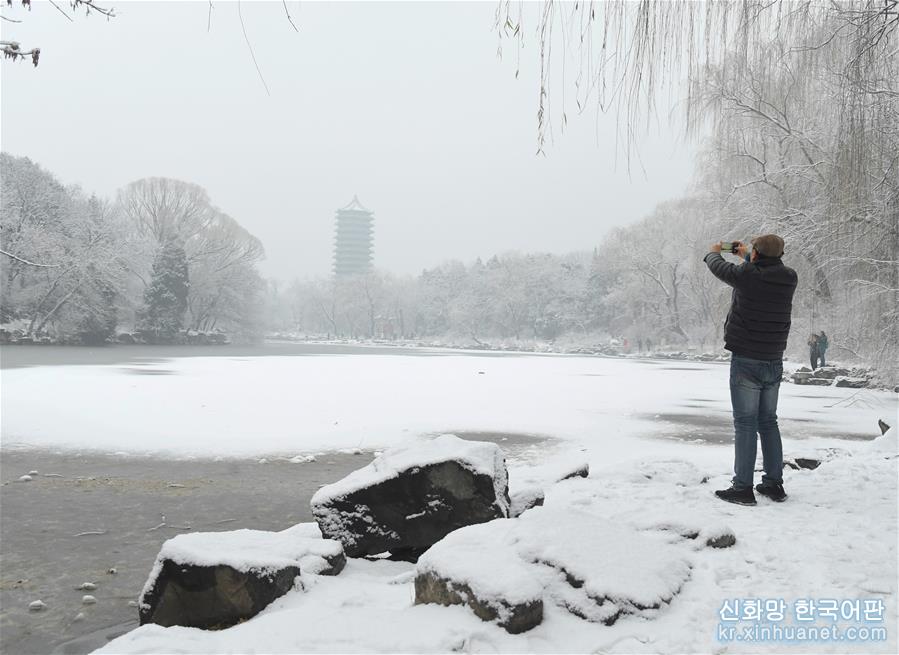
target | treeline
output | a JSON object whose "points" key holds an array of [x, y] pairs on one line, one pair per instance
{"points": [[160, 262]]}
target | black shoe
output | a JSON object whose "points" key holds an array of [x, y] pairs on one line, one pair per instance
{"points": [[737, 496], [774, 491]]}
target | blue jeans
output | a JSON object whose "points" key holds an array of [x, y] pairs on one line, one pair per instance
{"points": [[754, 384]]}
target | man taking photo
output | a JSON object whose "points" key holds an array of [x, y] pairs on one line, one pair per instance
{"points": [[755, 333]]}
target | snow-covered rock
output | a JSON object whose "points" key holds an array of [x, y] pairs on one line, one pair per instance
{"points": [[478, 566], [809, 463], [217, 579], [37, 606], [595, 569], [412, 496], [612, 563], [718, 537], [886, 443], [684, 525], [850, 382], [678, 472], [87, 599], [524, 499], [528, 485], [830, 372]]}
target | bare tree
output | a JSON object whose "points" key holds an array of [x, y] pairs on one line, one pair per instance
{"points": [[798, 107], [14, 50]]}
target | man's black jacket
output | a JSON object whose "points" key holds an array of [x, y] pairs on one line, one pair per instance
{"points": [[758, 323]]}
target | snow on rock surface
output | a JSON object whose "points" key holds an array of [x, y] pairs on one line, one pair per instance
{"points": [[524, 499], [610, 561], [528, 484], [247, 550], [886, 443], [413, 495], [480, 457], [478, 566], [592, 567], [216, 579]]}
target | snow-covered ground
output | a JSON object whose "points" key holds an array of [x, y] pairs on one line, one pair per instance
{"points": [[834, 540], [835, 537]]}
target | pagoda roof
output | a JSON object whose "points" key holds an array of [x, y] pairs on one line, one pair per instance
{"points": [[355, 206]]}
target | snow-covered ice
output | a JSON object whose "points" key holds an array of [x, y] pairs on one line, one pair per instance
{"points": [[288, 405]]}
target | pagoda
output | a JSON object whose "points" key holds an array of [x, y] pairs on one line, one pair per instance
{"points": [[353, 239]]}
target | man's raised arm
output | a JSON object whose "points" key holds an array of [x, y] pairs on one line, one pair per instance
{"points": [[724, 271]]}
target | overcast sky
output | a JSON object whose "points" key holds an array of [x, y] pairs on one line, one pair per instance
{"points": [[404, 104]]}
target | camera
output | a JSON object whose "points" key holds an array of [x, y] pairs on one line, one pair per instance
{"points": [[730, 246]]}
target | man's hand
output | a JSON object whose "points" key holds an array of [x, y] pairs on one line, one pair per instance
{"points": [[715, 247], [742, 250]]}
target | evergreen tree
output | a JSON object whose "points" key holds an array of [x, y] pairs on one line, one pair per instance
{"points": [[165, 300], [99, 315]]}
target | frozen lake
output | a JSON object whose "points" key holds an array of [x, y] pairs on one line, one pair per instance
{"points": [[23, 356], [290, 399]]}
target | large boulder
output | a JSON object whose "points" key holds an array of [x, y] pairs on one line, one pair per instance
{"points": [[217, 579], [412, 496], [595, 569]]}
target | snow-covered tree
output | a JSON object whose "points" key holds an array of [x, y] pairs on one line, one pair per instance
{"points": [[165, 300]]}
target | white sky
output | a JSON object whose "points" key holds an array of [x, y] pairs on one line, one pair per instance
{"points": [[404, 104]]}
